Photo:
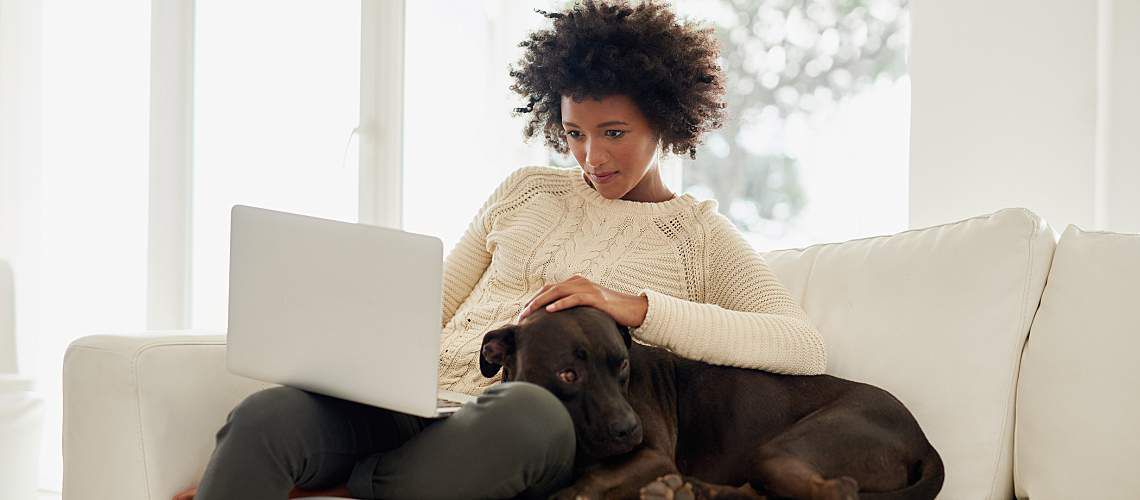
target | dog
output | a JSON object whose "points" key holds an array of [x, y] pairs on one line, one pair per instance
{"points": [[651, 424]]}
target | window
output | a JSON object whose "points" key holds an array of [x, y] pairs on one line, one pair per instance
{"points": [[814, 149], [460, 140], [816, 143], [273, 120], [92, 219]]}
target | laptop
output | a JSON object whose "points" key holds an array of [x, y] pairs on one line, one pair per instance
{"points": [[338, 308]]}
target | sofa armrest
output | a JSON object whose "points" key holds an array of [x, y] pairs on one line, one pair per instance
{"points": [[140, 412]]}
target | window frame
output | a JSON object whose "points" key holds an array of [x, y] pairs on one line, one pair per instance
{"points": [[170, 201]]}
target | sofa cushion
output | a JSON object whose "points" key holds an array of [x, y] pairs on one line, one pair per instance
{"points": [[1078, 400], [938, 317], [140, 413]]}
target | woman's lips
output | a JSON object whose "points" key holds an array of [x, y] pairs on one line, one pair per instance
{"points": [[604, 178]]}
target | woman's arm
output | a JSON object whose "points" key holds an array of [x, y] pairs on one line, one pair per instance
{"points": [[467, 261], [750, 319]]}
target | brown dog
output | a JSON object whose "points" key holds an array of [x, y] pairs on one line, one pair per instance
{"points": [[644, 416]]}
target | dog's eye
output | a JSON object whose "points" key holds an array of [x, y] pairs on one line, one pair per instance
{"points": [[569, 376], [580, 354], [623, 370]]}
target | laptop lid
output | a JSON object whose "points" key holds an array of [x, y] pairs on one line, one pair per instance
{"points": [[338, 308]]}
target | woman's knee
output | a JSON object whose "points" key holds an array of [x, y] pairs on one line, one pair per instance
{"points": [[273, 411], [532, 414]]}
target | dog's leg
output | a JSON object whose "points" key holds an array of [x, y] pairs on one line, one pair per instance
{"points": [[787, 475], [620, 478], [834, 454], [673, 487]]}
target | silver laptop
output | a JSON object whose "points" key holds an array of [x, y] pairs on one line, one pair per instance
{"points": [[338, 308]]}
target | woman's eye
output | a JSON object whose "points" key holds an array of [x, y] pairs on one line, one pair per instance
{"points": [[569, 376], [612, 133]]}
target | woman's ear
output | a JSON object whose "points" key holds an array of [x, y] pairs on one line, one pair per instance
{"points": [[498, 346]]}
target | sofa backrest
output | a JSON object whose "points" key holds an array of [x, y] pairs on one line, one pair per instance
{"points": [[938, 317], [1078, 400]]}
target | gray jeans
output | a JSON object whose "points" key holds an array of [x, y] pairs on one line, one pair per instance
{"points": [[516, 440]]}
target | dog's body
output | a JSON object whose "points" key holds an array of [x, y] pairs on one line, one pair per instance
{"points": [[733, 433], [728, 421]]}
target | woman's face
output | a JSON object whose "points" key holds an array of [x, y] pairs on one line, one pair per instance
{"points": [[611, 136]]}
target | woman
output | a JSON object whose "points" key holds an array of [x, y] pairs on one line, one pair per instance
{"points": [[615, 85]]}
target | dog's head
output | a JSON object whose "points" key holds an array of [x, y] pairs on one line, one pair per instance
{"points": [[582, 356]]}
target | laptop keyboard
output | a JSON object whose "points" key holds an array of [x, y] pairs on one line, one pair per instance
{"points": [[444, 403]]}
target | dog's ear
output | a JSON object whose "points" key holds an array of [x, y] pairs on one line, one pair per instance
{"points": [[625, 336], [497, 346]]}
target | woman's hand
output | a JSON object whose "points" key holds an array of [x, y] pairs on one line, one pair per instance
{"points": [[627, 310]]}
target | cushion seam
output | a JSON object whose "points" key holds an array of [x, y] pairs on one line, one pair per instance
{"points": [[1011, 398]]}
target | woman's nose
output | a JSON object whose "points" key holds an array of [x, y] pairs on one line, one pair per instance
{"points": [[595, 156]]}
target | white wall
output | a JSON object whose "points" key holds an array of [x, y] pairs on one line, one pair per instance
{"points": [[1005, 111], [1123, 120], [20, 179]]}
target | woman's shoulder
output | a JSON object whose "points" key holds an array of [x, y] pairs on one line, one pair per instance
{"points": [[707, 208], [719, 228], [546, 172], [521, 184], [538, 175], [708, 213]]}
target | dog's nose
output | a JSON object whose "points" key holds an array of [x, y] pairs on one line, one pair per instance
{"points": [[624, 428]]}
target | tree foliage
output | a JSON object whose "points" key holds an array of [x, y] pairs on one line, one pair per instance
{"points": [[782, 58]]}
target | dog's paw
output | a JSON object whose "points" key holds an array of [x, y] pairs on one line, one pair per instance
{"points": [[668, 487], [572, 493], [840, 488]]}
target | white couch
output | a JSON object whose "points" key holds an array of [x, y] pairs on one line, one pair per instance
{"points": [[941, 317]]}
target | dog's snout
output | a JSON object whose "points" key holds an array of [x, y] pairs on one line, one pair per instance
{"points": [[624, 427]]}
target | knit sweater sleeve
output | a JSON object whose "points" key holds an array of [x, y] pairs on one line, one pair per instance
{"points": [[750, 320], [469, 258]]}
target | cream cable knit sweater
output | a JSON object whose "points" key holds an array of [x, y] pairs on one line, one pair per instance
{"points": [[711, 296]]}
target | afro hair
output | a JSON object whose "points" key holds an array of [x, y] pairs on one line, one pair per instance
{"points": [[594, 49]]}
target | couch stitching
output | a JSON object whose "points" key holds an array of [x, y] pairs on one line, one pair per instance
{"points": [[1114, 234], [1020, 360], [138, 420], [132, 378], [138, 396], [1022, 326]]}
